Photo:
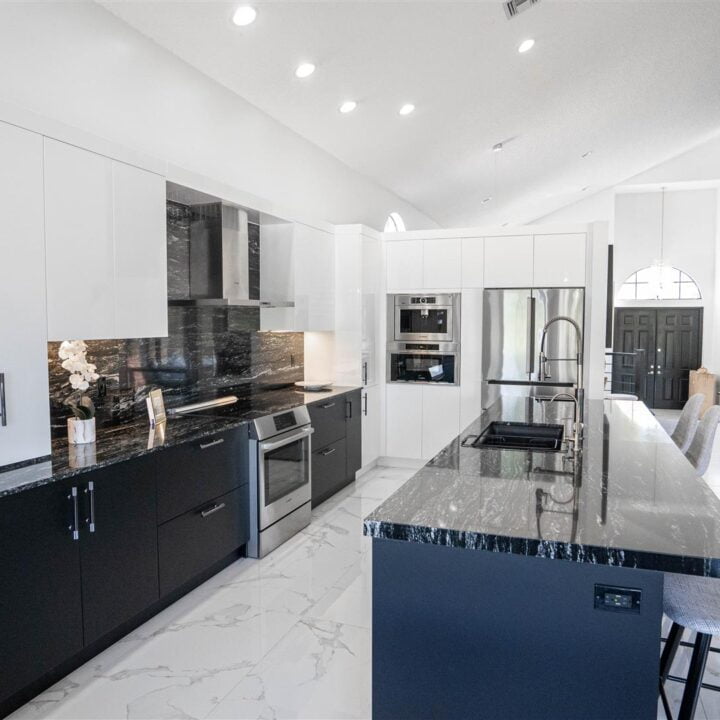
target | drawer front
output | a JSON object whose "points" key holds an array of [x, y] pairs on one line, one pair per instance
{"points": [[191, 543], [328, 420], [329, 472], [194, 473]]}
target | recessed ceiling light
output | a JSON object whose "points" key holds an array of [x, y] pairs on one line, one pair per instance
{"points": [[244, 15], [497, 147], [525, 45], [586, 154], [348, 106], [305, 70], [486, 200], [406, 109]]}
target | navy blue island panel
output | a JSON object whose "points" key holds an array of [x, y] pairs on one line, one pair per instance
{"points": [[515, 584]]}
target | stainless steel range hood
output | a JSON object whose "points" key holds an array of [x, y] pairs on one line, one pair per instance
{"points": [[222, 261]]}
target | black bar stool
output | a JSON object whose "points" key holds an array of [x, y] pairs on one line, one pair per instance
{"points": [[694, 603]]}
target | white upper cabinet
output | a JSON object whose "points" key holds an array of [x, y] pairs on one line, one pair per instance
{"points": [[441, 264], [404, 265], [140, 232], [298, 265], [105, 237], [23, 322], [560, 260], [314, 279], [508, 261], [473, 262], [79, 243]]}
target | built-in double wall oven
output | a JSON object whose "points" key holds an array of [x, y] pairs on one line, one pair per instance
{"points": [[424, 338]]}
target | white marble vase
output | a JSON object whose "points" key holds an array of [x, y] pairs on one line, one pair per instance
{"points": [[81, 431]]}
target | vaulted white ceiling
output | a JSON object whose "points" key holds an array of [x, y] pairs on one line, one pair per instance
{"points": [[633, 81]]}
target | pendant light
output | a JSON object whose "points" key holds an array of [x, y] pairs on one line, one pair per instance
{"points": [[660, 272]]}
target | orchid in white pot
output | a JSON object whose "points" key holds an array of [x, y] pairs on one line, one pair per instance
{"points": [[81, 427]]}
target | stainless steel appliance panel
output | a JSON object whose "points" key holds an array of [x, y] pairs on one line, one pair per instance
{"points": [[561, 340], [424, 317]]}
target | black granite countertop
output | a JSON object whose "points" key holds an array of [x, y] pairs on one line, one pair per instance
{"points": [[631, 499], [122, 442]]}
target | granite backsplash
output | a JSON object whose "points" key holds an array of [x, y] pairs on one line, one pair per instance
{"points": [[209, 351]]}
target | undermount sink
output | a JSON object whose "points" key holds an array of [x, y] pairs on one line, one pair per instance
{"points": [[521, 436]]}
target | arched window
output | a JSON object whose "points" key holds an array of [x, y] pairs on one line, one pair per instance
{"points": [[394, 223], [659, 282]]}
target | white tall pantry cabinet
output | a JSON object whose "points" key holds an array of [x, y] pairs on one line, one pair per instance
{"points": [[25, 425]]}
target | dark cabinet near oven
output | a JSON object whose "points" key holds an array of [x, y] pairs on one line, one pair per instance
{"points": [[336, 443], [118, 545], [40, 600]]}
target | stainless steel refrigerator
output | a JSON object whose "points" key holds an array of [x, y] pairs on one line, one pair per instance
{"points": [[513, 322]]}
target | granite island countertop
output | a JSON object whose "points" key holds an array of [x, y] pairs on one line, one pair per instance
{"points": [[631, 498], [118, 443]]}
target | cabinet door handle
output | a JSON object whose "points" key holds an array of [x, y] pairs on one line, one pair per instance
{"points": [[365, 372], [3, 410], [212, 443], [327, 405], [90, 491], [327, 452], [365, 407], [348, 409], [75, 527], [212, 510]]}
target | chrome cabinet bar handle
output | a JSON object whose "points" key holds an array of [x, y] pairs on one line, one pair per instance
{"points": [[327, 452], [365, 409], [212, 510], [365, 373], [327, 405], [3, 410], [75, 527], [90, 490], [348, 409], [205, 446]]}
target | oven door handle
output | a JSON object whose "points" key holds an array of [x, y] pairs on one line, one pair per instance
{"points": [[268, 446]]}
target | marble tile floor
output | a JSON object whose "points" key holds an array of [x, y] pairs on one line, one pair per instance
{"points": [[283, 637]]}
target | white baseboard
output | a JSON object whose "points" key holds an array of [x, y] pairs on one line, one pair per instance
{"points": [[413, 463], [366, 469]]}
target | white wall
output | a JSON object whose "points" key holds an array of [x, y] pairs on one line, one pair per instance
{"points": [[690, 244], [76, 63]]}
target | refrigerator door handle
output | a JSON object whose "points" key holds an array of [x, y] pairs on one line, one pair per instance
{"points": [[530, 346]]}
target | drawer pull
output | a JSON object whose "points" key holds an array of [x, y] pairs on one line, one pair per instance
{"points": [[212, 510], [327, 452], [326, 406], [205, 446]]}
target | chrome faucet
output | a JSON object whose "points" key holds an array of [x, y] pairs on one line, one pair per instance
{"points": [[577, 424], [579, 396]]}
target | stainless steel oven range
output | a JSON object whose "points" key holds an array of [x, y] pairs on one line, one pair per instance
{"points": [[280, 479]]}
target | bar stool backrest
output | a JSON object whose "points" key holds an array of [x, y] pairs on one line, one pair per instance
{"points": [[700, 450], [684, 431]]}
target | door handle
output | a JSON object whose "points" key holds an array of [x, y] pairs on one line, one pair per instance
{"points": [[212, 443], [348, 409], [3, 410], [212, 510], [365, 408], [365, 372], [651, 373], [530, 348], [75, 527], [327, 406], [90, 492], [327, 452]]}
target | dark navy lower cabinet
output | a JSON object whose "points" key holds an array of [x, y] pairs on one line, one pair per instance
{"points": [[80, 560], [118, 545], [40, 596]]}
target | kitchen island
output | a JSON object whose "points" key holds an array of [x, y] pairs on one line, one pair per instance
{"points": [[519, 584]]}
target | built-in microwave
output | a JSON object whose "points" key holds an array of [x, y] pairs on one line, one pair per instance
{"points": [[434, 363], [422, 318]]}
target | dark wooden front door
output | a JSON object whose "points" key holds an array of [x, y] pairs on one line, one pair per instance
{"points": [[667, 343]]}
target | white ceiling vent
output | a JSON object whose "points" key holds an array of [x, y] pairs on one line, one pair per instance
{"points": [[513, 7]]}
